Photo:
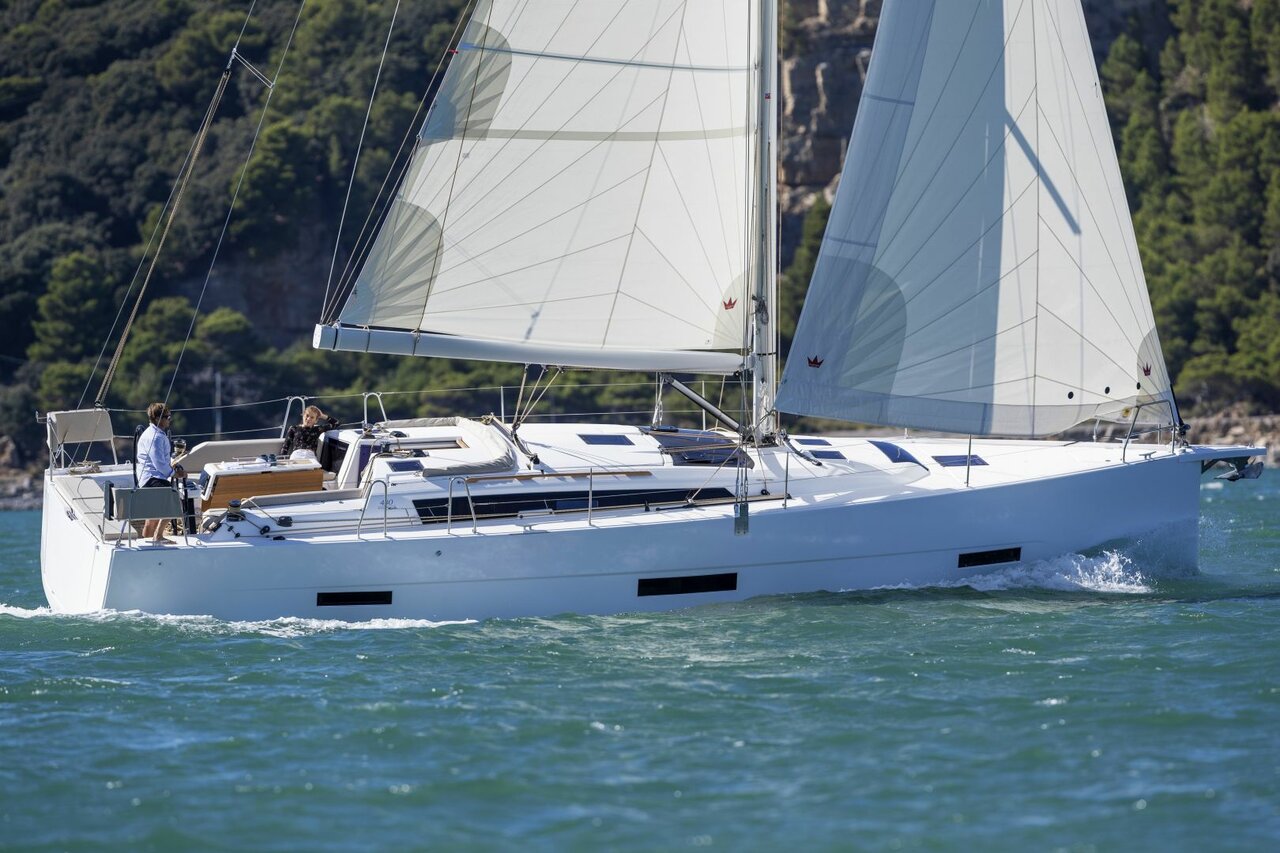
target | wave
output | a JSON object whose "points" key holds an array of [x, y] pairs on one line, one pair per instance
{"points": [[283, 627]]}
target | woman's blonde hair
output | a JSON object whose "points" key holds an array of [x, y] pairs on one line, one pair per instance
{"points": [[314, 411]]}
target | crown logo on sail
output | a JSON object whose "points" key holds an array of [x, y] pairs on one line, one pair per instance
{"points": [[814, 361], [1146, 370], [729, 304]]}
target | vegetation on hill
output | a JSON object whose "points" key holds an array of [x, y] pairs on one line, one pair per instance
{"points": [[99, 102]]}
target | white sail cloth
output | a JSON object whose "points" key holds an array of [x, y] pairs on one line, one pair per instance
{"points": [[979, 272], [581, 193]]}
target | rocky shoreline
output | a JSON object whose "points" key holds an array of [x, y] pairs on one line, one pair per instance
{"points": [[22, 490]]}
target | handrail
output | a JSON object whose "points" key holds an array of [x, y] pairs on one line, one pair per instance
{"points": [[1136, 410], [386, 499], [540, 475], [367, 394], [288, 409], [471, 504]]}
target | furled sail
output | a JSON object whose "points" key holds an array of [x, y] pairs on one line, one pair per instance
{"points": [[580, 194], [979, 272]]}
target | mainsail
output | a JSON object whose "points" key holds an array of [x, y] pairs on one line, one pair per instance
{"points": [[979, 272], [581, 193]]}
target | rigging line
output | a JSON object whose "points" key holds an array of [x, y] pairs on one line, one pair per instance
{"points": [[355, 162], [244, 26], [201, 135], [154, 231], [142, 261], [533, 403], [364, 240], [226, 222]]}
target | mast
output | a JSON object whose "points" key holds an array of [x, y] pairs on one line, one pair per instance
{"points": [[763, 357]]}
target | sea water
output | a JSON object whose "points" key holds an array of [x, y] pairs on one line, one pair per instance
{"points": [[1088, 702]]}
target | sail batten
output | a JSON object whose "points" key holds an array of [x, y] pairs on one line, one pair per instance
{"points": [[980, 272], [578, 185]]}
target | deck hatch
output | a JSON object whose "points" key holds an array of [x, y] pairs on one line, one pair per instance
{"points": [[989, 558], [346, 599], [827, 454], [894, 452], [726, 582], [960, 461], [605, 438], [813, 442]]}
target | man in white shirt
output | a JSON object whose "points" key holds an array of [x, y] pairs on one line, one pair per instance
{"points": [[154, 467]]}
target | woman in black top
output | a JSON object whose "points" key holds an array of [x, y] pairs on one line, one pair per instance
{"points": [[301, 440]]}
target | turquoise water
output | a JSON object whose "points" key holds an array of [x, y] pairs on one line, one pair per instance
{"points": [[1087, 703]]}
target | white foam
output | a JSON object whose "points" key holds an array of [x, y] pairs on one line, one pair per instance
{"points": [[284, 627], [1109, 571], [23, 612]]}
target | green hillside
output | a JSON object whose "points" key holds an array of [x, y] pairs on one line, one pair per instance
{"points": [[99, 103]]}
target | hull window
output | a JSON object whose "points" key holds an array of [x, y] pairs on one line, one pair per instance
{"points": [[727, 582], [507, 506], [346, 599], [990, 558]]}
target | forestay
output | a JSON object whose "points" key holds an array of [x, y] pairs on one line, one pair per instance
{"points": [[580, 194], [979, 272]]}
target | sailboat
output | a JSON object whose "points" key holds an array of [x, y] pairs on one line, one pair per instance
{"points": [[594, 187]]}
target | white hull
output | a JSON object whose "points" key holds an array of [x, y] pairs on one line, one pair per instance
{"points": [[833, 534]]}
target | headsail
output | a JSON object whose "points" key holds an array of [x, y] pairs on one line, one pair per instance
{"points": [[580, 193], [979, 272]]}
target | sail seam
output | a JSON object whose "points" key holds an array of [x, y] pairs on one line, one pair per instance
{"points": [[942, 160], [515, 167], [1123, 369], [688, 284], [1092, 287], [626, 258], [469, 258], [702, 246], [603, 135], [1134, 270], [906, 161], [946, 216], [970, 297], [593, 60], [715, 186], [444, 218]]}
